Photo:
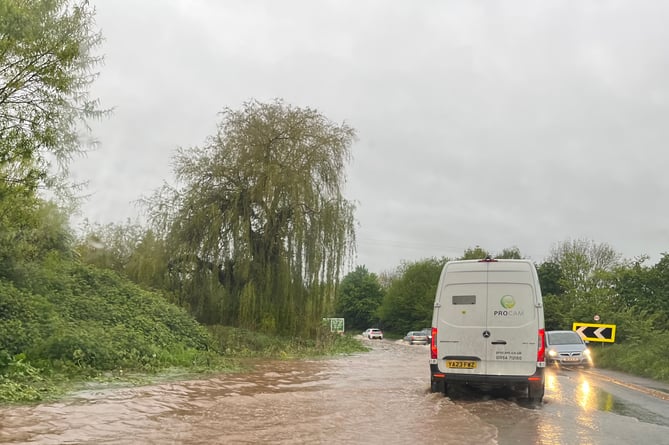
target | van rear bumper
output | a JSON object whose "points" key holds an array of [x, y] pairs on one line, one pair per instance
{"points": [[485, 379]]}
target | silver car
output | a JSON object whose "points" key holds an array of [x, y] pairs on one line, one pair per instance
{"points": [[416, 338], [567, 348]]}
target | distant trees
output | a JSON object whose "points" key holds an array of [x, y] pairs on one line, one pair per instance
{"points": [[646, 288], [583, 263], [474, 253], [478, 253], [359, 298], [258, 229], [550, 276], [579, 273], [409, 299], [510, 253]]}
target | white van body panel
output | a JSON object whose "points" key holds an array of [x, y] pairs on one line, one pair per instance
{"points": [[490, 313]]}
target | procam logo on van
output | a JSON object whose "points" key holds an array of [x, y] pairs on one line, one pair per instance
{"points": [[508, 303]]}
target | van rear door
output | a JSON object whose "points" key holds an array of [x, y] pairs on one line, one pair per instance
{"points": [[461, 320], [512, 324]]}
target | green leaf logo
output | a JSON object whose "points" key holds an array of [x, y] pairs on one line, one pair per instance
{"points": [[507, 302]]}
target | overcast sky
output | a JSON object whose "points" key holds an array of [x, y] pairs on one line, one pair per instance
{"points": [[492, 123]]}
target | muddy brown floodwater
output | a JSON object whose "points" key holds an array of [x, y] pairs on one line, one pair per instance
{"points": [[379, 397]]}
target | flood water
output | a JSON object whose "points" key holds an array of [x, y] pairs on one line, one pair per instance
{"points": [[379, 397]]}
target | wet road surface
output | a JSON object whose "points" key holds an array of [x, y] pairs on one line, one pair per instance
{"points": [[379, 397]]}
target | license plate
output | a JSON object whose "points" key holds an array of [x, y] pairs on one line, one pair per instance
{"points": [[461, 364], [570, 359]]}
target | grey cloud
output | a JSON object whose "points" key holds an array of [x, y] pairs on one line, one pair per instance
{"points": [[492, 123]]}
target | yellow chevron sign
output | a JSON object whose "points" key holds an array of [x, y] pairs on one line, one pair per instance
{"points": [[595, 332]]}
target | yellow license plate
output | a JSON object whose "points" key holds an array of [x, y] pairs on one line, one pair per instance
{"points": [[461, 364]]}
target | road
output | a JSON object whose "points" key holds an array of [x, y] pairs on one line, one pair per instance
{"points": [[379, 397]]}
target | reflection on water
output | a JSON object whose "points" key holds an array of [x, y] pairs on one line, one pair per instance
{"points": [[584, 397], [550, 433], [604, 401], [552, 383], [576, 410], [587, 400], [586, 423]]}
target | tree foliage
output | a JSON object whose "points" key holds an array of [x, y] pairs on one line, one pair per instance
{"points": [[258, 229], [580, 281], [645, 287], [409, 300], [46, 64], [128, 249], [510, 253], [583, 264], [550, 276], [32, 229], [359, 297], [474, 253]]}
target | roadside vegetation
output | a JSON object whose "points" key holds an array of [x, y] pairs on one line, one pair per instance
{"points": [[241, 256], [63, 323]]}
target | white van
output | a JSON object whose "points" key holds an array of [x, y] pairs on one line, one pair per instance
{"points": [[488, 327]]}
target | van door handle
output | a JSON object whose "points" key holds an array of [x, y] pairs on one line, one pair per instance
{"points": [[499, 342]]}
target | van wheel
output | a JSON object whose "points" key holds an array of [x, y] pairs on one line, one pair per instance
{"points": [[438, 386], [535, 393]]}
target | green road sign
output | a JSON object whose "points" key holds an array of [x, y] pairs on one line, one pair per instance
{"points": [[336, 324]]}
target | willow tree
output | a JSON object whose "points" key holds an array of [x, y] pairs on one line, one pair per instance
{"points": [[258, 227]]}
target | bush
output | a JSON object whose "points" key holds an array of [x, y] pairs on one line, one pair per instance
{"points": [[68, 319]]}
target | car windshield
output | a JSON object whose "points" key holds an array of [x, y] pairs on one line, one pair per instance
{"points": [[564, 338]]}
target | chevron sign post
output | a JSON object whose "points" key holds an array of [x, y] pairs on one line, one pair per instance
{"points": [[605, 333]]}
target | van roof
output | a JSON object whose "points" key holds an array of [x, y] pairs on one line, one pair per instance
{"points": [[496, 264]]}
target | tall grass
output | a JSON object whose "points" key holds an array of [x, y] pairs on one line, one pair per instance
{"points": [[645, 357], [235, 342]]}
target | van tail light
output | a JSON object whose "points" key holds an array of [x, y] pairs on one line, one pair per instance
{"points": [[541, 348], [433, 344]]}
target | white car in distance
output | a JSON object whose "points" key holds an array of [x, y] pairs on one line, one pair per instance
{"points": [[373, 333]]}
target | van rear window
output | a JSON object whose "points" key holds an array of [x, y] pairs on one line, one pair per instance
{"points": [[464, 299]]}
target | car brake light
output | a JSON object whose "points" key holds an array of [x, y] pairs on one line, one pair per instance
{"points": [[541, 349], [433, 344]]}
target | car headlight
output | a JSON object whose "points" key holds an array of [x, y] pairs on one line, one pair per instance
{"points": [[552, 352], [586, 352]]}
